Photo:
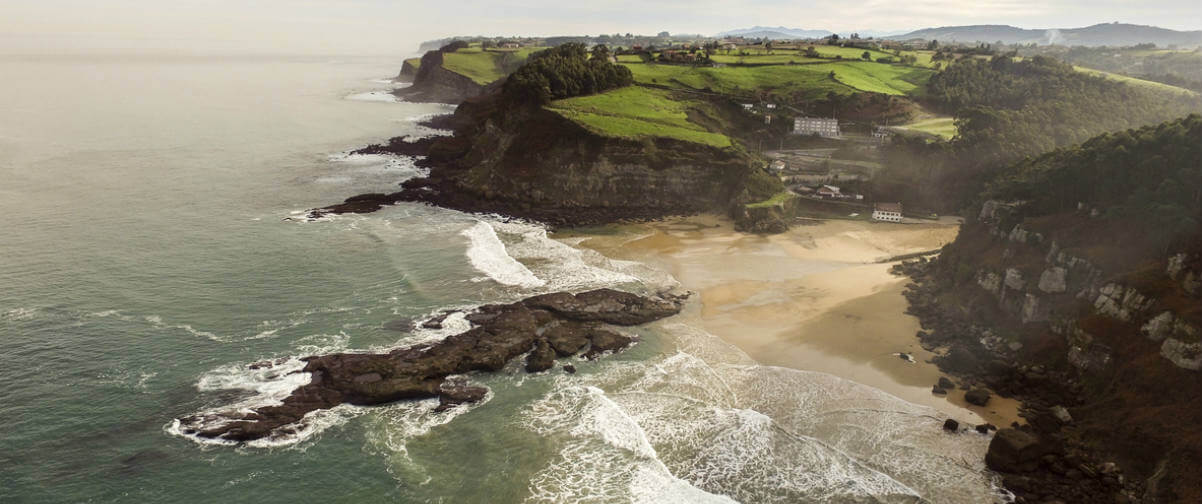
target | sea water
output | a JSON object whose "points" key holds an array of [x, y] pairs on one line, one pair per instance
{"points": [[154, 244]]}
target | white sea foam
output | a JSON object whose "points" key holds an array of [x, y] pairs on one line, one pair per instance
{"points": [[19, 314], [488, 255], [319, 344], [396, 425], [270, 385], [754, 433], [606, 455], [157, 322], [568, 268]]}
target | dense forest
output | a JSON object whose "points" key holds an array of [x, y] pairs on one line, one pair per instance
{"points": [[563, 72], [1152, 174], [1007, 110]]}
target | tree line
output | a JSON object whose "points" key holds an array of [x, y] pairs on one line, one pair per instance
{"points": [[563, 72]]}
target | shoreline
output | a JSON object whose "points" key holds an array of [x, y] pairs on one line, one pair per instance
{"points": [[819, 297]]}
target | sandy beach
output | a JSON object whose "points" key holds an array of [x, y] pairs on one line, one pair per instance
{"points": [[817, 298]]}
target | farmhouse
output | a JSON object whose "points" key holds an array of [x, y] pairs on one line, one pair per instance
{"points": [[829, 192], [821, 126], [887, 212]]}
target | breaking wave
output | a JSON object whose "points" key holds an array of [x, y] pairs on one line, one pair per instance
{"points": [[488, 255]]}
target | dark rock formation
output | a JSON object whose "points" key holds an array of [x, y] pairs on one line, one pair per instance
{"points": [[455, 392], [499, 334], [533, 163], [408, 72], [1013, 450], [979, 397], [945, 383], [541, 358], [951, 425]]}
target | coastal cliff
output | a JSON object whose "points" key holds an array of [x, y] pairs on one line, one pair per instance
{"points": [[408, 70], [1084, 301], [533, 163], [528, 150], [432, 82]]}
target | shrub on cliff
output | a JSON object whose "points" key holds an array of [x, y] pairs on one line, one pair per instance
{"points": [[564, 72]]}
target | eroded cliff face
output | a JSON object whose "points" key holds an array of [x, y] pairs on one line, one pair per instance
{"points": [[1057, 306], [435, 84], [408, 72], [533, 163]]}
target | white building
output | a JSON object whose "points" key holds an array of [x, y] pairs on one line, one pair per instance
{"points": [[887, 212], [821, 126]]}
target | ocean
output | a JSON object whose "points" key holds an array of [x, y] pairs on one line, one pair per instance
{"points": [[154, 244]]}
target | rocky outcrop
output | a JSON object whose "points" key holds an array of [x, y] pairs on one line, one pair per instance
{"points": [[1183, 268], [1053, 280], [533, 163], [1182, 354], [766, 218], [499, 334], [1121, 302], [408, 71], [1013, 450]]}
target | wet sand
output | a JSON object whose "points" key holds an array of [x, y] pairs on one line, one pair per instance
{"points": [[814, 298]]}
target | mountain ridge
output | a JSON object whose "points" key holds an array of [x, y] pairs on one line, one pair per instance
{"points": [[1109, 34]]}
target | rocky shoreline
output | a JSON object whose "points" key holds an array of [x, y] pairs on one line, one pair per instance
{"points": [[443, 188], [1046, 460], [544, 328]]}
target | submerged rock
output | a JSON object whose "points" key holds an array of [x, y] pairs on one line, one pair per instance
{"points": [[499, 334]]}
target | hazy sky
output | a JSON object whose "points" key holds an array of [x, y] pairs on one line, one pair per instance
{"points": [[394, 27]]}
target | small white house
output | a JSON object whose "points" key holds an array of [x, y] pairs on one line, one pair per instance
{"points": [[821, 126], [887, 212]]}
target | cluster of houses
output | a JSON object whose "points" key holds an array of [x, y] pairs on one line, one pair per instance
{"points": [[882, 212]]}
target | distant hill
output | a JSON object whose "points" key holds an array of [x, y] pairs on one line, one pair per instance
{"points": [[777, 33], [1112, 34]]}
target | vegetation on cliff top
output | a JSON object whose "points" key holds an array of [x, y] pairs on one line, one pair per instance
{"points": [[564, 72], [485, 66], [806, 81], [636, 112]]}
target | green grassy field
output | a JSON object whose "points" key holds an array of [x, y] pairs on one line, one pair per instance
{"points": [[940, 126], [780, 58], [485, 66], [810, 80], [1158, 86], [414, 62], [776, 199], [637, 112]]}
